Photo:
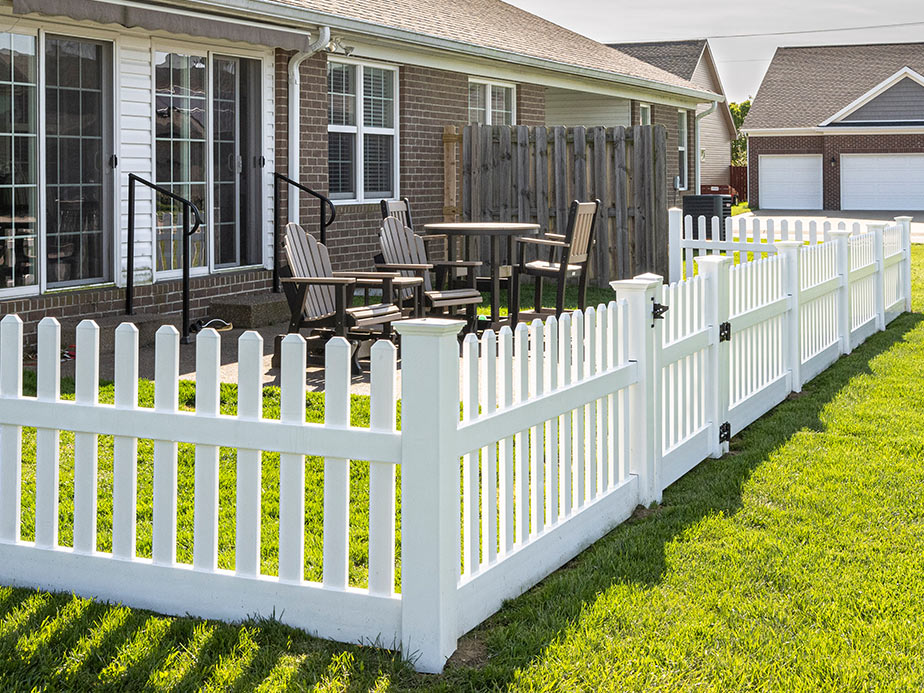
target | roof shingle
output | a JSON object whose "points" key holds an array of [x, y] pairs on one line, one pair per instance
{"points": [[806, 85], [677, 57], [496, 25]]}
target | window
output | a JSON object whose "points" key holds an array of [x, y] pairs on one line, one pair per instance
{"points": [[644, 114], [362, 131], [491, 103], [19, 242], [682, 163]]}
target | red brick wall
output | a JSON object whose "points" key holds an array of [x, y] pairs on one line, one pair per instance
{"points": [[530, 105], [831, 147], [667, 116]]}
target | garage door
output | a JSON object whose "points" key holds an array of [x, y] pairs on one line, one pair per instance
{"points": [[790, 182], [882, 181]]}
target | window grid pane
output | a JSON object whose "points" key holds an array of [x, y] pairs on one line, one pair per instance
{"points": [[378, 165], [378, 98], [341, 94], [477, 111], [18, 190], [181, 137], [340, 165], [501, 105]]}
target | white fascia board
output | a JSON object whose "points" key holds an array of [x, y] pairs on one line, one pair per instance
{"points": [[873, 130], [486, 68], [289, 14], [874, 92]]}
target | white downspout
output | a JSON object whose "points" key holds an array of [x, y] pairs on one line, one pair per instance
{"points": [[698, 155], [295, 63]]}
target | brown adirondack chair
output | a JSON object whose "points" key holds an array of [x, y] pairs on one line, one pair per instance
{"points": [[569, 255], [401, 209], [321, 300], [404, 251]]}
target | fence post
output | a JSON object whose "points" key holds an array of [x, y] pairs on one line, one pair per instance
{"points": [[792, 276], [644, 347], [842, 238], [430, 501], [906, 259], [877, 229], [674, 244], [715, 269]]}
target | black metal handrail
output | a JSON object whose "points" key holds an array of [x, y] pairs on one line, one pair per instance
{"points": [[187, 232], [324, 205]]}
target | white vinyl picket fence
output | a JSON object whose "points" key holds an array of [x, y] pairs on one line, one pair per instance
{"points": [[566, 426], [689, 237]]}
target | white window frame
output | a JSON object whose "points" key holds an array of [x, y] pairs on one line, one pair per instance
{"points": [[642, 109], [360, 130], [682, 146], [486, 85]]}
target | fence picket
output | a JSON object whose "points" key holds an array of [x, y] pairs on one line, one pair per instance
{"points": [[166, 401], [86, 391], [48, 389], [292, 466], [382, 417], [521, 444], [249, 462], [124, 448], [10, 435], [336, 572], [489, 455], [506, 492], [205, 508], [537, 442], [470, 486], [552, 508], [565, 460], [577, 447]]}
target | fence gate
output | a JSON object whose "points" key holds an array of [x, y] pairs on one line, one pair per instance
{"points": [[531, 174]]}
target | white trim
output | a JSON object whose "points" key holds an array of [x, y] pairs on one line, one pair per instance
{"points": [[685, 183], [360, 130], [905, 72], [816, 131], [487, 84]]}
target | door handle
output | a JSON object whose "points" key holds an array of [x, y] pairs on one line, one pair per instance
{"points": [[113, 161]]}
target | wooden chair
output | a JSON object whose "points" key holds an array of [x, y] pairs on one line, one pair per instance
{"points": [[572, 249], [321, 299], [401, 209], [404, 251]]}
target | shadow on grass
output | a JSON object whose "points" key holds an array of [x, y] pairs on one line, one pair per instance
{"points": [[110, 647]]}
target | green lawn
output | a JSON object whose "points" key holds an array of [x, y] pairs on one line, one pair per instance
{"points": [[792, 564]]}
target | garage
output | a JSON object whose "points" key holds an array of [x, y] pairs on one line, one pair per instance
{"points": [[882, 181], [790, 181]]}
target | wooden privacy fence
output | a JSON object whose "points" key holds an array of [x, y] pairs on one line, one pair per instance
{"points": [[738, 178], [531, 174], [566, 427]]}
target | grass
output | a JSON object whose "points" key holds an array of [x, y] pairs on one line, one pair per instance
{"points": [[740, 208], [793, 563]]}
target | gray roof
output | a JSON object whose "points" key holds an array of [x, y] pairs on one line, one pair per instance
{"points": [[677, 57], [495, 25], [805, 86]]}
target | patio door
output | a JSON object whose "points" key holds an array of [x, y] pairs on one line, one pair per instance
{"points": [[236, 163], [78, 141]]}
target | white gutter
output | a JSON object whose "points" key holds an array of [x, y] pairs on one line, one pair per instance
{"points": [[699, 117], [295, 62], [289, 14]]}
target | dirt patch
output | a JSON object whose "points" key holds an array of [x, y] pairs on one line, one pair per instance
{"points": [[471, 653], [643, 513]]}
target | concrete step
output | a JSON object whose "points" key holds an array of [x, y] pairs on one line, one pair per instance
{"points": [[251, 311]]}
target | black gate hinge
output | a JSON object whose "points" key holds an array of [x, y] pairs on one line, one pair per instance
{"points": [[725, 332], [658, 310], [725, 432]]}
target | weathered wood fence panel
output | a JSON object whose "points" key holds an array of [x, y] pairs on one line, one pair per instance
{"points": [[531, 174]]}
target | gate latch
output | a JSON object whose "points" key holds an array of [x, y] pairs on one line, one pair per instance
{"points": [[725, 332], [725, 432], [658, 310]]}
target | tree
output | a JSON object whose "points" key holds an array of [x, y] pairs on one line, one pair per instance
{"points": [[739, 112]]}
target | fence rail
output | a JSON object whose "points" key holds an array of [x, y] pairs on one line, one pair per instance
{"points": [[566, 426]]}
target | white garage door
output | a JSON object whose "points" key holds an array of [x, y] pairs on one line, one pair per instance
{"points": [[882, 181], [790, 182]]}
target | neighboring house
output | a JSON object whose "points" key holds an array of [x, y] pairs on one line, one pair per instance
{"points": [[195, 95], [839, 127], [714, 128]]}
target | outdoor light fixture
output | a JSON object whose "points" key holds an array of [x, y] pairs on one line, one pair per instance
{"points": [[834, 161], [336, 46]]}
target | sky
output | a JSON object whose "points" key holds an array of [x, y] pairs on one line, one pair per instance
{"points": [[742, 60]]}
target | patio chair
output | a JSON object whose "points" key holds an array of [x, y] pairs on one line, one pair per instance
{"points": [[404, 251], [321, 299], [569, 255], [401, 209]]}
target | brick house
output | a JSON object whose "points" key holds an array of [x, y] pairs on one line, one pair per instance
{"points": [[196, 98], [713, 129], [839, 128]]}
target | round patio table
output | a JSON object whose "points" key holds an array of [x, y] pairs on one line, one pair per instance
{"points": [[495, 231]]}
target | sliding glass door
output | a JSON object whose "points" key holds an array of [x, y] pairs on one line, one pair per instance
{"points": [[78, 84]]}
